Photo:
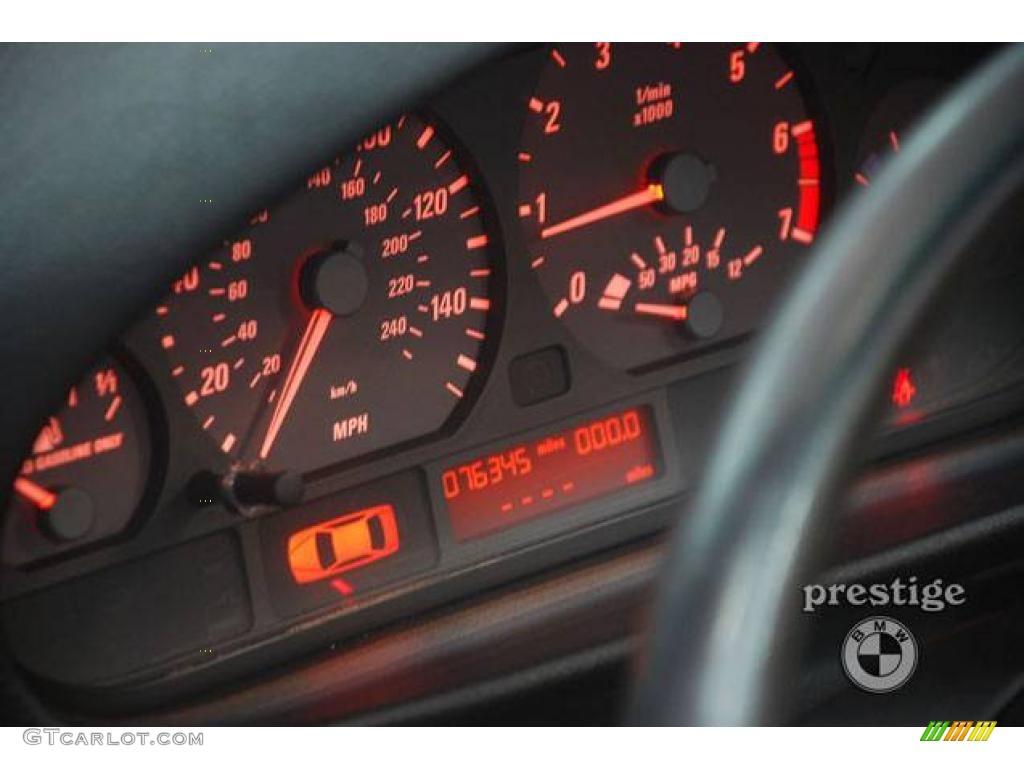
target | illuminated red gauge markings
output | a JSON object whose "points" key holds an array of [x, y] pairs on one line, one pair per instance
{"points": [[87, 470], [289, 344], [666, 192]]}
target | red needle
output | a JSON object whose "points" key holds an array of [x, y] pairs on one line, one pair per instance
{"points": [[650, 194], [35, 493], [315, 331], [669, 311]]}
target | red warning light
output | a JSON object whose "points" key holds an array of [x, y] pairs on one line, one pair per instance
{"points": [[343, 544], [903, 389]]}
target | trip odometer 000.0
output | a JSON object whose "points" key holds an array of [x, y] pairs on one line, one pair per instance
{"points": [[295, 344], [667, 191]]}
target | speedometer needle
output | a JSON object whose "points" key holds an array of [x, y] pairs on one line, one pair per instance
{"points": [[650, 194], [315, 331]]}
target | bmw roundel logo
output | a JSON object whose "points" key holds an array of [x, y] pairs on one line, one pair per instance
{"points": [[879, 654]]}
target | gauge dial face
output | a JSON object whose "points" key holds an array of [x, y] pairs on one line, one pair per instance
{"points": [[348, 319], [87, 472], [666, 192]]}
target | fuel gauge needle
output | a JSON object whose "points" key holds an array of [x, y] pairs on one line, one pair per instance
{"points": [[315, 331], [34, 493]]}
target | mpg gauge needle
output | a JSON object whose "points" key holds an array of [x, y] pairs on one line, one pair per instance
{"points": [[315, 331], [652, 193], [34, 493]]}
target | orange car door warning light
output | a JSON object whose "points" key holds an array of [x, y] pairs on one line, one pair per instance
{"points": [[343, 544]]}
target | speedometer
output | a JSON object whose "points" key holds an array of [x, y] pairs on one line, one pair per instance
{"points": [[351, 318], [666, 192]]}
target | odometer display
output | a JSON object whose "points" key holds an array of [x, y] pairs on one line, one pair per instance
{"points": [[555, 472], [666, 192], [348, 319]]}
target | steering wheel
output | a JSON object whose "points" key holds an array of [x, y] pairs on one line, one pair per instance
{"points": [[719, 652], [784, 450]]}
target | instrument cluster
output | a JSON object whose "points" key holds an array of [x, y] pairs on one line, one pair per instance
{"points": [[492, 336]]}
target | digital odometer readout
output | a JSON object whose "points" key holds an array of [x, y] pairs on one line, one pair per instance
{"points": [[551, 473]]}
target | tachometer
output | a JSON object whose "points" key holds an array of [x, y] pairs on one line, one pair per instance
{"points": [[666, 191], [350, 318]]}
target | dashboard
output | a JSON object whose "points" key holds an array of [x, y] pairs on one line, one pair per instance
{"points": [[491, 339]]}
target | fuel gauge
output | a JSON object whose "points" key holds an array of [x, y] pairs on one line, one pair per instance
{"points": [[87, 470]]}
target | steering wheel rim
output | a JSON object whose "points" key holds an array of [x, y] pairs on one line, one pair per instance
{"points": [[719, 650]]}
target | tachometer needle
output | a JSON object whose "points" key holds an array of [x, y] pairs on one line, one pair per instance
{"points": [[34, 493], [650, 194], [315, 331]]}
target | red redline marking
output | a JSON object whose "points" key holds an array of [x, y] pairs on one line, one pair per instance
{"points": [[782, 81], [425, 137], [801, 128], [801, 235]]}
